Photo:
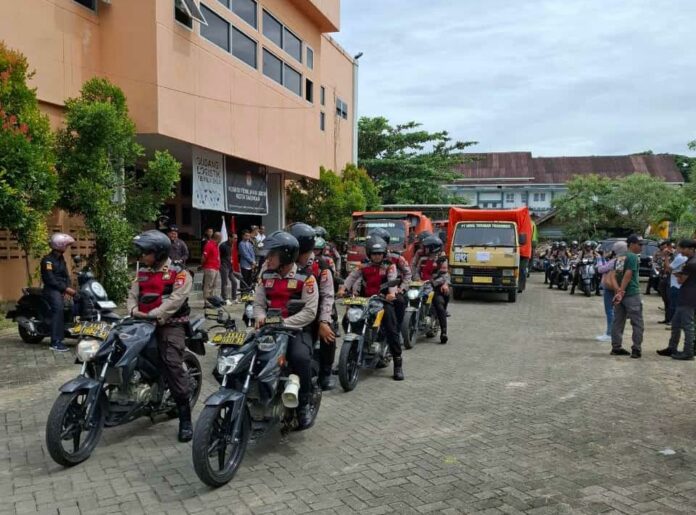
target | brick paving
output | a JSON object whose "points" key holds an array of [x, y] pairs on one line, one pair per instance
{"points": [[522, 412]]}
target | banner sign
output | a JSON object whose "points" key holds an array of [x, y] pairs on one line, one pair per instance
{"points": [[208, 180], [247, 190]]}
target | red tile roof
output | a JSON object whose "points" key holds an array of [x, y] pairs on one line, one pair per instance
{"points": [[522, 168]]}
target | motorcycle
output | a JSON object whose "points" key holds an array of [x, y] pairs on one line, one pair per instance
{"points": [[120, 381], [586, 269], [562, 274], [251, 369], [364, 344], [247, 298], [419, 319], [33, 313]]}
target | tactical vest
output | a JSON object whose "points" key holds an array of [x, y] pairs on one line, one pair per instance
{"points": [[160, 283], [375, 278], [281, 290], [427, 269]]}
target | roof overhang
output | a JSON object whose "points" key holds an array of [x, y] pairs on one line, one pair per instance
{"points": [[324, 13]]}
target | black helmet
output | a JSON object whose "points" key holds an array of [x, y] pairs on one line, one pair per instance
{"points": [[305, 236], [574, 243], [587, 244], [555, 245], [321, 232], [423, 235], [153, 241], [564, 245], [432, 244], [375, 245], [381, 232], [285, 244]]}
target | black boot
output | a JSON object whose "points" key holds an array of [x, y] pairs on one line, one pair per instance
{"points": [[398, 369], [304, 412], [327, 381], [443, 338], [185, 426]]}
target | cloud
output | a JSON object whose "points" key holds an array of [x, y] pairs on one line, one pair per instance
{"points": [[550, 76]]}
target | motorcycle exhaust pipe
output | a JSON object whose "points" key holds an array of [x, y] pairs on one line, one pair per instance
{"points": [[27, 324], [291, 392]]}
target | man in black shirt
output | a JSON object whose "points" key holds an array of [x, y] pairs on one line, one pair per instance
{"points": [[683, 317], [227, 268], [56, 284], [179, 251]]}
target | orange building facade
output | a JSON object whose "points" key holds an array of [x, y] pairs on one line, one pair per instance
{"points": [[257, 86]]}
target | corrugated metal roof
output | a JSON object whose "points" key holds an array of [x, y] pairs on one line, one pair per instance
{"points": [[521, 167]]}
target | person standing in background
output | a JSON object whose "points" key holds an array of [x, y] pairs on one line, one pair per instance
{"points": [[210, 262], [179, 251], [207, 236], [227, 270], [627, 301], [247, 258], [261, 234]]}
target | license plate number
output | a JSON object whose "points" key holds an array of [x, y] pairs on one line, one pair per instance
{"points": [[482, 280], [98, 330], [235, 338]]}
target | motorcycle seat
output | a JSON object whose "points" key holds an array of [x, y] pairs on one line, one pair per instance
{"points": [[33, 290]]}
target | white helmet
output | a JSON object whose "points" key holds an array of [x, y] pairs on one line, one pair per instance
{"points": [[60, 241]]}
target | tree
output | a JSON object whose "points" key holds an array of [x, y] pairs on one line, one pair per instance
{"points": [[28, 183], [584, 209], [680, 210], [636, 199], [409, 165], [332, 199], [99, 178]]}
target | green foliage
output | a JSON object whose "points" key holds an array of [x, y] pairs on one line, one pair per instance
{"points": [[28, 184], [637, 199], [97, 158], [585, 208], [409, 165], [332, 199]]}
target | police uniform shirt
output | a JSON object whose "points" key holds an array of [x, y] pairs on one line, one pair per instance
{"points": [[326, 291], [310, 297], [54, 272]]}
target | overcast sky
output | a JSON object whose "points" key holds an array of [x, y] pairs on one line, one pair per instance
{"points": [[554, 77]]}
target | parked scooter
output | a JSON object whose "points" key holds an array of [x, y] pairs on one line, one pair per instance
{"points": [[91, 303]]}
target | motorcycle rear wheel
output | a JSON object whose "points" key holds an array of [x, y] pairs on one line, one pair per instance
{"points": [[194, 372], [29, 338], [348, 366], [210, 442], [66, 422]]}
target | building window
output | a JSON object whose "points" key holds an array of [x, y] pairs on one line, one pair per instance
{"points": [[181, 15], [309, 90], [246, 10], [540, 197], [310, 58], [525, 197], [292, 44], [322, 95], [341, 109], [272, 29], [272, 67], [292, 79], [243, 47], [322, 121], [217, 31], [89, 4], [226, 3], [510, 198]]}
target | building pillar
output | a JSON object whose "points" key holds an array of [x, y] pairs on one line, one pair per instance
{"points": [[275, 219]]}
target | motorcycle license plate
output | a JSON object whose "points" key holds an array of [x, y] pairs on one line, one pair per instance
{"points": [[274, 320], [98, 330], [247, 298], [430, 297], [482, 280], [235, 338], [355, 301]]}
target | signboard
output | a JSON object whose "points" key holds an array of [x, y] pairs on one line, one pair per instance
{"points": [[208, 180], [247, 191]]}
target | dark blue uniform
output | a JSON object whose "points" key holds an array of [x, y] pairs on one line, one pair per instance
{"points": [[55, 278]]}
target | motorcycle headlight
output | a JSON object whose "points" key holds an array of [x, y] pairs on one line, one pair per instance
{"points": [[249, 311], [458, 271], [87, 349], [227, 364], [412, 294], [354, 314], [266, 343], [98, 290]]}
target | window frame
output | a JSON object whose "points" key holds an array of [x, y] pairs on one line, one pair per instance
{"points": [[509, 198], [309, 88], [264, 51], [263, 28], [93, 9], [256, 13], [286, 29], [256, 48], [322, 95], [322, 121], [286, 65], [229, 32], [184, 25], [309, 50], [341, 108]]}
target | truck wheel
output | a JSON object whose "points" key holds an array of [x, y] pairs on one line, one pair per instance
{"points": [[512, 296]]}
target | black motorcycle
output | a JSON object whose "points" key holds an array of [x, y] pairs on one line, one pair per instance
{"points": [[120, 381], [419, 319], [562, 274], [91, 303], [257, 392]]}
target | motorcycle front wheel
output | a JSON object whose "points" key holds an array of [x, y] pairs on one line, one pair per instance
{"points": [[408, 329], [216, 457], [70, 439], [348, 366], [27, 337]]}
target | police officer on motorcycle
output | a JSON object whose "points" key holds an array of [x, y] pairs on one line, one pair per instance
{"points": [[373, 278], [587, 252], [281, 282], [432, 267], [56, 285], [326, 322], [160, 293]]}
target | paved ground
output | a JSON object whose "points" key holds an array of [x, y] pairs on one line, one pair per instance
{"points": [[522, 412]]}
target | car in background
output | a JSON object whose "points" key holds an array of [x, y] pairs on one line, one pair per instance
{"points": [[646, 256]]}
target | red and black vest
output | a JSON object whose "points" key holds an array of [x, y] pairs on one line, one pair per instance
{"points": [[375, 278], [160, 283], [281, 290], [427, 268]]}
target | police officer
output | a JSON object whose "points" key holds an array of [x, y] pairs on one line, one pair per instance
{"points": [[280, 283], [326, 322], [171, 286], [403, 271], [418, 251], [587, 252], [432, 267], [373, 278], [56, 284]]}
